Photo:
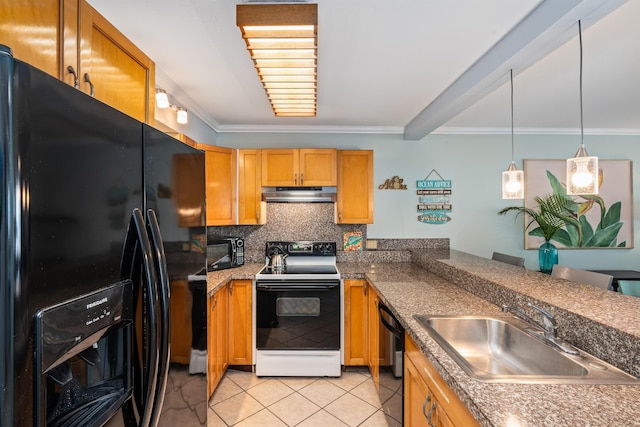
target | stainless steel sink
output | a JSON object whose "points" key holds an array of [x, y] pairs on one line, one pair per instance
{"points": [[507, 349]]}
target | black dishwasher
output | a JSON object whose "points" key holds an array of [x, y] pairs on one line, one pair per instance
{"points": [[391, 378]]}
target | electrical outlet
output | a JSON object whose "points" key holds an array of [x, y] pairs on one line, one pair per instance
{"points": [[372, 244]]}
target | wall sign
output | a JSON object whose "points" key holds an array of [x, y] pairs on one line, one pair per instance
{"points": [[433, 199], [394, 183]]}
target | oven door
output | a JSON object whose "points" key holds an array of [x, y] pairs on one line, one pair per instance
{"points": [[298, 315]]}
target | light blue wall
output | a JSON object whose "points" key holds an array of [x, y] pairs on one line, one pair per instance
{"points": [[474, 164]]}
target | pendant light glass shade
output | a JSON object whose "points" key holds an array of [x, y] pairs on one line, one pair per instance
{"points": [[512, 179], [512, 183], [582, 169]]}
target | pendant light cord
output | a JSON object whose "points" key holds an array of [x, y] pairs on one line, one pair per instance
{"points": [[512, 149], [581, 113]]}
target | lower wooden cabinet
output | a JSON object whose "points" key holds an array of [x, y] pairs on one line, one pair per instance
{"points": [[373, 345], [229, 330], [428, 400], [180, 305], [356, 323], [240, 325], [217, 337]]}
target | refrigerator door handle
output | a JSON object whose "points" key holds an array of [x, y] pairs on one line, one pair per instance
{"points": [[153, 229], [137, 249]]}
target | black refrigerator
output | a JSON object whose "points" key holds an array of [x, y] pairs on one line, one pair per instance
{"points": [[88, 196]]}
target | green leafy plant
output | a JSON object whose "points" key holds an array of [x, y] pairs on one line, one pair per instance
{"points": [[548, 215], [578, 232], [563, 219]]}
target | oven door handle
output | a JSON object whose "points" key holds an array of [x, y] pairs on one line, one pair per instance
{"points": [[296, 287]]}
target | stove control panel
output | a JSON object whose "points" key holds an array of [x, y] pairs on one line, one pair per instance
{"points": [[301, 248]]}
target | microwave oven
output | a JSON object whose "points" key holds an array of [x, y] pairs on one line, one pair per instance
{"points": [[225, 252]]}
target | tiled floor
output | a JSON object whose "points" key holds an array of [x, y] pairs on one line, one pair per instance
{"points": [[242, 399]]}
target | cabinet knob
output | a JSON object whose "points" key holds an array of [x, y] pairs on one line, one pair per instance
{"points": [[301, 179], [295, 178]]}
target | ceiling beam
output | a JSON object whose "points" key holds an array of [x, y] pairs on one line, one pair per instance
{"points": [[551, 24]]}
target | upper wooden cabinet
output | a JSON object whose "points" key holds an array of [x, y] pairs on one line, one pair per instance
{"points": [[354, 203], [251, 209], [220, 193], [57, 36], [299, 167]]}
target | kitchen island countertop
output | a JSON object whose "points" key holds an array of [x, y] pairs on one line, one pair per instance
{"points": [[455, 283]]}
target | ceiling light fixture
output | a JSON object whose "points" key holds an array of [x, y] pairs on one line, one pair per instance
{"points": [[582, 169], [182, 116], [282, 41], [162, 101], [512, 179]]}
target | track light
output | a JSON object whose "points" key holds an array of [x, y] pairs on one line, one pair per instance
{"points": [[182, 116], [162, 101]]}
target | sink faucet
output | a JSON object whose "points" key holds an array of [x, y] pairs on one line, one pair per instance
{"points": [[548, 325]]}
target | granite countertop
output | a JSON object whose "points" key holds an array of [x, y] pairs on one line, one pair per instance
{"points": [[455, 283]]}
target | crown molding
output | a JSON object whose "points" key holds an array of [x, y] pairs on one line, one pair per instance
{"points": [[533, 131], [383, 130]]}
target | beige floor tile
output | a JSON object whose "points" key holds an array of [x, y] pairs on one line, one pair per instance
{"points": [[294, 409], [246, 380], [263, 418], [226, 389], [237, 408], [296, 383], [393, 407], [367, 392], [350, 410], [270, 391], [322, 392], [213, 420], [322, 419], [378, 419], [349, 380]]}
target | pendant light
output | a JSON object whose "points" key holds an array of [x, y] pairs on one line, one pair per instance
{"points": [[512, 179], [582, 169]]}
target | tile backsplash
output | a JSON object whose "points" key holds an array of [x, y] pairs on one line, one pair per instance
{"points": [[308, 221]]}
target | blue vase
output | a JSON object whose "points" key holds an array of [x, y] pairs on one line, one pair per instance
{"points": [[547, 257]]}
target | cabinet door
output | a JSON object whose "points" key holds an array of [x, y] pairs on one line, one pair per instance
{"points": [[121, 74], [417, 398], [374, 336], [318, 167], [251, 208], [354, 203], [240, 325], [212, 342], [34, 29], [220, 171], [180, 304], [444, 408], [222, 348], [280, 167], [356, 323]]}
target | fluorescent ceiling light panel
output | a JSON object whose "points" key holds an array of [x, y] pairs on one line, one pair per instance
{"points": [[282, 40]]}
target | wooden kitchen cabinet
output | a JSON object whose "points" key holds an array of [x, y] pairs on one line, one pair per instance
{"points": [[373, 344], [54, 35], [220, 193], [251, 209], [356, 323], [428, 399], [188, 188], [240, 324], [354, 204], [180, 305], [299, 167], [217, 337]]}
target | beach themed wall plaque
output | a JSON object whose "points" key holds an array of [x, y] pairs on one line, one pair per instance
{"points": [[433, 199]]}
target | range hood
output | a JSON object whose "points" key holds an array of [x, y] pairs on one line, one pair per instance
{"points": [[299, 194]]}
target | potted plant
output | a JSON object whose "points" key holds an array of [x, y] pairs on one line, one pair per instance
{"points": [[548, 216]]}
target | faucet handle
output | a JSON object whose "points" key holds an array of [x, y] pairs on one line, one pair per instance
{"points": [[550, 324]]}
